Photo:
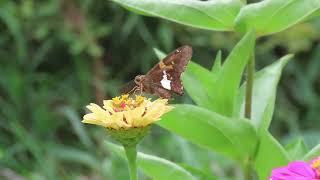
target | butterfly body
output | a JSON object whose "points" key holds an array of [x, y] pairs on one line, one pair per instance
{"points": [[164, 78]]}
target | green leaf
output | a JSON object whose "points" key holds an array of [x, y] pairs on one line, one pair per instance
{"points": [[13, 24], [297, 149], [315, 14], [231, 137], [159, 53], [155, 167], [264, 93], [223, 93], [76, 124], [270, 154], [271, 16], [199, 173], [315, 152], [197, 81], [218, 91], [212, 15], [137, 11], [217, 64]]}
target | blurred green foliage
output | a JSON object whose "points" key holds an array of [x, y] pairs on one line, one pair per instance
{"points": [[57, 56]]}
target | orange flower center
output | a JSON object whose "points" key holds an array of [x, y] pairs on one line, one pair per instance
{"points": [[124, 102], [316, 166]]}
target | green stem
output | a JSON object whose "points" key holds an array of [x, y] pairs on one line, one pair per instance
{"points": [[249, 87], [131, 152], [247, 169], [247, 166]]}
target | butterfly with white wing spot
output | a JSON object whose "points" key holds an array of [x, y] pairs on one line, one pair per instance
{"points": [[164, 78]]}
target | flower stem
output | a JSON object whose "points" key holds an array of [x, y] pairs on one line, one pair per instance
{"points": [[249, 87], [247, 169], [131, 152], [247, 166]]}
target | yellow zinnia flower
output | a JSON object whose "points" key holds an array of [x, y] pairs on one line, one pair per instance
{"points": [[125, 112]]}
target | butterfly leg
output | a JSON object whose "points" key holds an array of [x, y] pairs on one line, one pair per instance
{"points": [[138, 89], [133, 90], [141, 88]]}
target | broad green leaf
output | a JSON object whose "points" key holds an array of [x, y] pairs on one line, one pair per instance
{"points": [[233, 138], [202, 74], [217, 64], [271, 16], [197, 80], [212, 15], [270, 154], [264, 93], [223, 93], [218, 91], [315, 152], [196, 90], [313, 15], [137, 11], [155, 167], [199, 173], [159, 53], [297, 149]]}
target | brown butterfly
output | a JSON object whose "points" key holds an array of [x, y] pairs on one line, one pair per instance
{"points": [[164, 78]]}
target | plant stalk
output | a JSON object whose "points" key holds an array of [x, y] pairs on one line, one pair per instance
{"points": [[247, 169], [131, 152], [247, 166], [249, 87]]}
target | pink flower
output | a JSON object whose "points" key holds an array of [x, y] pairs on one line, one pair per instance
{"points": [[298, 170], [315, 164]]}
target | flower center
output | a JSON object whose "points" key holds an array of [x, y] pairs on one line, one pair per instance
{"points": [[124, 102], [316, 166]]}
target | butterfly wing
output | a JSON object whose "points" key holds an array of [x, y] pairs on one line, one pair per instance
{"points": [[167, 73]]}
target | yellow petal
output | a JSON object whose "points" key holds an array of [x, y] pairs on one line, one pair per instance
{"points": [[155, 111], [113, 125], [133, 116], [91, 119], [98, 111], [136, 113], [117, 120], [107, 104]]}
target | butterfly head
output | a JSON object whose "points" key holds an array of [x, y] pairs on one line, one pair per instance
{"points": [[139, 79]]}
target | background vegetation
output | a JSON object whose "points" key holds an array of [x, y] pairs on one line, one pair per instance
{"points": [[57, 56]]}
